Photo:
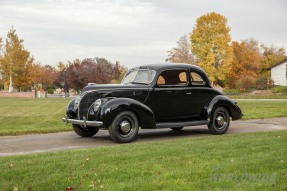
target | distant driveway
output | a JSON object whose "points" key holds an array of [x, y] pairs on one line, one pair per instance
{"points": [[26, 144]]}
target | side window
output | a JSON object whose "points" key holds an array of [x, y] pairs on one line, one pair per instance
{"points": [[196, 79], [172, 78], [160, 80]]}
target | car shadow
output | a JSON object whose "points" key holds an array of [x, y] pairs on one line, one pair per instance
{"points": [[156, 134], [168, 133]]}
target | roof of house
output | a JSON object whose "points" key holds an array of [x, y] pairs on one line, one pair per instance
{"points": [[277, 64]]}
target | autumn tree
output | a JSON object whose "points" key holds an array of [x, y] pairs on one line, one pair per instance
{"points": [[46, 76], [27, 79], [14, 61], [1, 72], [271, 56], [245, 68], [119, 72], [182, 53], [78, 74], [61, 66], [210, 43]]}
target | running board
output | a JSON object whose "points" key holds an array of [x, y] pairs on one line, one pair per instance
{"points": [[180, 124]]}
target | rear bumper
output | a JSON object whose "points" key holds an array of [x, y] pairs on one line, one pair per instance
{"points": [[83, 122]]}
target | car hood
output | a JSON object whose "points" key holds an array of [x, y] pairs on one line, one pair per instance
{"points": [[134, 91], [111, 87]]}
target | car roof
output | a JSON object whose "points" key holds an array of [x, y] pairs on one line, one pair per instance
{"points": [[169, 65]]}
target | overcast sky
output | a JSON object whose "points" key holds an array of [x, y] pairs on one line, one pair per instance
{"points": [[133, 32]]}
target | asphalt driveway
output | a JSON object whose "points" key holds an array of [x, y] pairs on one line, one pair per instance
{"points": [[26, 144]]}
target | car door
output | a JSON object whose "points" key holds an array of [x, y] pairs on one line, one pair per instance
{"points": [[201, 94], [171, 96]]}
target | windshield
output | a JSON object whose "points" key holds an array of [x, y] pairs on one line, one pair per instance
{"points": [[139, 76]]}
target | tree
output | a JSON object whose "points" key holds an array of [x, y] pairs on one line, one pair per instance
{"points": [[245, 65], [61, 66], [27, 79], [182, 53], [47, 76], [1, 52], [271, 56], [210, 43], [14, 60], [78, 74], [1, 72], [119, 72]]}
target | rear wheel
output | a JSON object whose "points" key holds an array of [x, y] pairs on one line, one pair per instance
{"points": [[125, 127], [85, 132], [220, 121]]}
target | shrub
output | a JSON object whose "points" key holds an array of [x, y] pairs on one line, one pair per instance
{"points": [[245, 83], [231, 91], [261, 83], [279, 89], [50, 91]]}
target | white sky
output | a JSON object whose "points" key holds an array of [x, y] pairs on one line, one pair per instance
{"points": [[134, 32]]}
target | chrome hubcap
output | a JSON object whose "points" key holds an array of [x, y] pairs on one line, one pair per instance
{"points": [[220, 121], [125, 127]]}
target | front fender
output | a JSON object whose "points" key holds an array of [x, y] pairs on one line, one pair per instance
{"points": [[111, 108], [70, 110], [223, 101]]}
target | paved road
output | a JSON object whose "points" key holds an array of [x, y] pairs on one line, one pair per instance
{"points": [[26, 144]]}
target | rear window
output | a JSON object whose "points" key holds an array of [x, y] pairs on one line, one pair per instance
{"points": [[172, 78], [196, 79]]}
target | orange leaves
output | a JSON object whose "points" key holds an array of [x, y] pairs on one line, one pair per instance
{"points": [[245, 66], [69, 189], [210, 40]]}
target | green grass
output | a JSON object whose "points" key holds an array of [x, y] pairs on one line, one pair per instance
{"points": [[29, 115], [253, 109], [247, 96], [279, 89], [279, 92], [255, 161]]}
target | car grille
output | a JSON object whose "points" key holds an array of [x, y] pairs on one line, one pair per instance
{"points": [[87, 100]]}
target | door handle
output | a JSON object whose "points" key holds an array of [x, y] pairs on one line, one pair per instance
{"points": [[188, 93]]}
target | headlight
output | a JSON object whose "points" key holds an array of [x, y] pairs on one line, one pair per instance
{"points": [[97, 104], [76, 104]]}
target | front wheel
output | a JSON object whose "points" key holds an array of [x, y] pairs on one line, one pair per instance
{"points": [[85, 132], [125, 127], [219, 122]]}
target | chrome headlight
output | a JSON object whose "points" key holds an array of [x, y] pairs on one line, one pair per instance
{"points": [[76, 103], [97, 104]]}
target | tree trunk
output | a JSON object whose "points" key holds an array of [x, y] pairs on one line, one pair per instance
{"points": [[11, 84]]}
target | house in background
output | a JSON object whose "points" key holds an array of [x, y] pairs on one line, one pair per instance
{"points": [[279, 73]]}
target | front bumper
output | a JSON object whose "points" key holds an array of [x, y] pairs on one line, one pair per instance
{"points": [[83, 122]]}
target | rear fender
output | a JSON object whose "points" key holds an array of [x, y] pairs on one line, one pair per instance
{"points": [[223, 101], [111, 108]]}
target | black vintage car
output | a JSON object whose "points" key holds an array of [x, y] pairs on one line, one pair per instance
{"points": [[151, 97]]}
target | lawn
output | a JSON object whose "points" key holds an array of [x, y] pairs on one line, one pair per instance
{"points": [[255, 161], [31, 115], [28, 115], [253, 109], [246, 96]]}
